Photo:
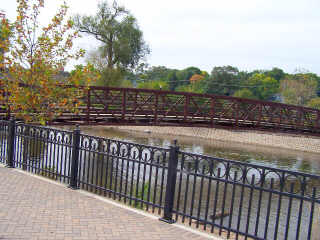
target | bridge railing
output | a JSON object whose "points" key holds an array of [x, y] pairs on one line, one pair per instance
{"points": [[133, 106], [227, 197], [130, 106]]}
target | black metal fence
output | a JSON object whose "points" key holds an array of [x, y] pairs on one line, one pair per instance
{"points": [[235, 199]]}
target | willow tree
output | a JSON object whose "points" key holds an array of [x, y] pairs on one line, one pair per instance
{"points": [[35, 57], [122, 43]]}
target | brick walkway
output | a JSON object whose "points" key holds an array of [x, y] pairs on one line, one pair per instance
{"points": [[33, 208]]}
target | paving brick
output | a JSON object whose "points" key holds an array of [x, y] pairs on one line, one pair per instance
{"points": [[31, 208]]}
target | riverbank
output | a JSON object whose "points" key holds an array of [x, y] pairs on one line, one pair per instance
{"points": [[278, 140]]}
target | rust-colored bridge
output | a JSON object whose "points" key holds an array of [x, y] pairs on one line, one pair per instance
{"points": [[128, 106]]}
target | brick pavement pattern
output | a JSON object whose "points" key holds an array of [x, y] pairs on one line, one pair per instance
{"points": [[31, 208]]}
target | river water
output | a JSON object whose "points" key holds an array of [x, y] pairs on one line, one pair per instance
{"points": [[267, 156]]}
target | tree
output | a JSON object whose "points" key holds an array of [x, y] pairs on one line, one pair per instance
{"points": [[173, 80], [276, 73], [196, 78], [35, 58], [299, 89], [223, 81], [187, 73], [314, 103], [157, 85], [5, 33], [122, 40], [263, 87], [196, 87], [244, 93], [156, 73]]}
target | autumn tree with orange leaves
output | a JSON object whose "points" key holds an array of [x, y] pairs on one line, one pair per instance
{"points": [[196, 78], [34, 58]]}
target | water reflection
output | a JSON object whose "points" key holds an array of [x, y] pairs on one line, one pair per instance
{"points": [[265, 156]]}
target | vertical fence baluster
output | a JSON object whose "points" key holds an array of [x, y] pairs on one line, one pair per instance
{"points": [[117, 170], [186, 191], [155, 184], [268, 210], [232, 202], [180, 183], [111, 170], [259, 202], [303, 188], [138, 177], [75, 159], [200, 195], [279, 207], [150, 179], [171, 183], [121, 172], [314, 221], [107, 166], [208, 196], [240, 204], [225, 189], [143, 179], [26, 141], [162, 184], [194, 188], [96, 159], [127, 174], [289, 211], [10, 144], [250, 205], [216, 195], [132, 176]]}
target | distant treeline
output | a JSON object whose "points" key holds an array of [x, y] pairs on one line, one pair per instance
{"points": [[300, 88]]}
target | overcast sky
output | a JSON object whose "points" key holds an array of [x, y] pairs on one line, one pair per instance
{"points": [[248, 34]]}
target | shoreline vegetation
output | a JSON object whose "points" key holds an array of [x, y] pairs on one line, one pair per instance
{"points": [[260, 138]]}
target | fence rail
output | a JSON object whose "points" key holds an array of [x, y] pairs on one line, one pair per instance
{"points": [[236, 199]]}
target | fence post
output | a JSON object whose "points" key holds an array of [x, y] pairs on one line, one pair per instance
{"points": [[75, 158], [171, 184], [10, 143]]}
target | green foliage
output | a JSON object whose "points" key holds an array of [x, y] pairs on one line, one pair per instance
{"points": [[94, 74], [126, 84], [157, 85], [223, 81], [114, 26], [173, 80], [196, 87], [156, 73], [276, 73], [263, 87], [299, 89], [111, 77], [244, 93], [187, 73], [314, 103]]}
